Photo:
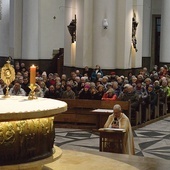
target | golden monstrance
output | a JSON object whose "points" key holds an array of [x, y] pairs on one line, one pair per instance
{"points": [[8, 76]]}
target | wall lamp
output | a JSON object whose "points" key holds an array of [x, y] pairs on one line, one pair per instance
{"points": [[105, 23], [72, 29]]}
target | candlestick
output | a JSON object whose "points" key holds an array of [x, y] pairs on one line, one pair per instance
{"points": [[32, 74], [32, 95]]}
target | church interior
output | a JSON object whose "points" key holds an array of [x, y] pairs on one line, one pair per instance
{"points": [[52, 52]]}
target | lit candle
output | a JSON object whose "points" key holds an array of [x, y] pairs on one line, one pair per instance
{"points": [[32, 74]]}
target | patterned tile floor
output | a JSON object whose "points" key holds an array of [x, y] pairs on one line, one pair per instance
{"points": [[150, 141]]}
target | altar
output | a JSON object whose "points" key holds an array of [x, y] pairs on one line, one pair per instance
{"points": [[26, 129]]}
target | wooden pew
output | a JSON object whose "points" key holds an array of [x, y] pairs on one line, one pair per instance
{"points": [[166, 105], [163, 106], [81, 113], [160, 108]]}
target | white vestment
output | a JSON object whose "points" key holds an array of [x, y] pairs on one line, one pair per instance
{"points": [[124, 123]]}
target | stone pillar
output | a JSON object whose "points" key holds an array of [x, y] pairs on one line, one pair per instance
{"points": [[69, 48], [137, 56], [147, 18], [110, 48], [104, 40], [15, 29], [165, 36], [84, 33], [30, 34], [124, 34], [79, 54], [4, 28]]}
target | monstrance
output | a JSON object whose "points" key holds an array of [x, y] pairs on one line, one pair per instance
{"points": [[8, 76]]}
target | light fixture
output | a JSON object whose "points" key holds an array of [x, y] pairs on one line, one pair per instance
{"points": [[72, 29], [105, 23]]}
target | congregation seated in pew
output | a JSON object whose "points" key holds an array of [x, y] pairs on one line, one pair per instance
{"points": [[100, 86]]}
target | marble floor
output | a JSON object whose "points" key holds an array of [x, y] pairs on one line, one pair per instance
{"points": [[152, 141]]}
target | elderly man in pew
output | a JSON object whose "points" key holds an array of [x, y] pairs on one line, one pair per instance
{"points": [[142, 92], [152, 100], [130, 94], [161, 100], [121, 121]]}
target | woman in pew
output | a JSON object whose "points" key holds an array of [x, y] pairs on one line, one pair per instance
{"points": [[99, 92], [85, 92], [120, 120], [109, 95]]}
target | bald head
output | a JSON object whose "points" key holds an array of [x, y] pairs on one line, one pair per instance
{"points": [[117, 107], [117, 110]]}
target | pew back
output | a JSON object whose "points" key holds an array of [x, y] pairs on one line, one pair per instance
{"points": [[80, 113]]}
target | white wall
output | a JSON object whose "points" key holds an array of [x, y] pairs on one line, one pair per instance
{"points": [[42, 33], [4, 29], [51, 31]]}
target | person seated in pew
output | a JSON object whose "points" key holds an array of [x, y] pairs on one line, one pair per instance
{"points": [[159, 91], [164, 86], [68, 93], [161, 96], [143, 94], [131, 95], [109, 95], [116, 88], [85, 92], [16, 90], [152, 99], [120, 120], [51, 93], [100, 92]]}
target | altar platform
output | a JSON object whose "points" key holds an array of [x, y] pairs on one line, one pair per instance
{"points": [[76, 160], [81, 150]]}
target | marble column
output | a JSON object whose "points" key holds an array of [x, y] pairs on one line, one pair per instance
{"points": [[30, 33], [165, 36]]}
